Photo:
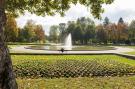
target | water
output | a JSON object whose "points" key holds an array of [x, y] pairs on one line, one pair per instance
{"points": [[67, 45], [68, 42]]}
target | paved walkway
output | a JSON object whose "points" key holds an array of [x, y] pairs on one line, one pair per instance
{"points": [[22, 49]]}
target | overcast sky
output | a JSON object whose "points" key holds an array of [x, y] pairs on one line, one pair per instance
{"points": [[119, 8]]}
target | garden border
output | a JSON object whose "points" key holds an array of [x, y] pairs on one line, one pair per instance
{"points": [[118, 54]]}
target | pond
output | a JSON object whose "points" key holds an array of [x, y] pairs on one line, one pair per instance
{"points": [[75, 48]]}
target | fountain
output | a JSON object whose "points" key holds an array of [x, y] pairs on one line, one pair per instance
{"points": [[68, 43]]}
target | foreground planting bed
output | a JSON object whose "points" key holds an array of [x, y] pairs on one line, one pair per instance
{"points": [[49, 66]]}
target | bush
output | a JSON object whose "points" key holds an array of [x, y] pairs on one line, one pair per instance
{"points": [[71, 68]]}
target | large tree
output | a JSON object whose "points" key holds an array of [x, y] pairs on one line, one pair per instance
{"points": [[39, 7], [122, 30], [89, 33], [29, 31], [106, 21], [78, 34], [132, 31], [62, 27], [101, 34], [54, 33], [40, 34], [71, 25], [11, 31], [112, 33]]}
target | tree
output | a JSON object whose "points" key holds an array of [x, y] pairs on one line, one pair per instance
{"points": [[54, 33], [122, 30], [112, 33], [29, 31], [106, 26], [71, 29], [84, 21], [21, 35], [89, 33], [121, 20], [39, 7], [39, 33], [106, 21], [77, 34], [11, 30], [132, 31], [86, 25], [101, 34], [62, 27]]}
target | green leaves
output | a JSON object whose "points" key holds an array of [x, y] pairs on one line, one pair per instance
{"points": [[51, 7]]}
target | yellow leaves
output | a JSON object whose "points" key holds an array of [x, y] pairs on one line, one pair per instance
{"points": [[11, 30]]}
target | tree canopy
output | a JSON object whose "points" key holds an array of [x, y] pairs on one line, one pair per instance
{"points": [[51, 7], [84, 32], [11, 30]]}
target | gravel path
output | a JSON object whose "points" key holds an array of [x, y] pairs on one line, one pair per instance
{"points": [[22, 49]]}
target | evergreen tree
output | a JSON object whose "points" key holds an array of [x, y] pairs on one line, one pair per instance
{"points": [[121, 20], [106, 21]]}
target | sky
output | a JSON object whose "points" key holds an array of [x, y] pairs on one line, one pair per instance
{"points": [[119, 8]]}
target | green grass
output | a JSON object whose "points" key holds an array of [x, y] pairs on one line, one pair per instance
{"points": [[94, 48], [131, 53], [78, 83], [20, 58], [11, 46], [26, 43]]}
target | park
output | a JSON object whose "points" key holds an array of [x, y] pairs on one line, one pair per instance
{"points": [[71, 50], [60, 63]]}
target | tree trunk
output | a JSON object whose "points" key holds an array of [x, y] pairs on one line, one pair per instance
{"points": [[7, 78]]}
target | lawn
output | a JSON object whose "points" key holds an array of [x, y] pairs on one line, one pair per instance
{"points": [[11, 46], [21, 58], [79, 83]]}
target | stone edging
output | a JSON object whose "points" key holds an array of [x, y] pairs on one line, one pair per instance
{"points": [[119, 54], [125, 55]]}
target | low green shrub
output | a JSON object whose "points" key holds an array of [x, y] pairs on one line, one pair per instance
{"points": [[71, 68]]}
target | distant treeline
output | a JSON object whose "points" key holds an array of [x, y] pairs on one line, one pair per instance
{"points": [[30, 33], [84, 31]]}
